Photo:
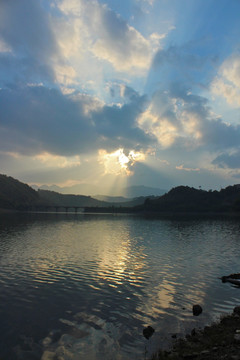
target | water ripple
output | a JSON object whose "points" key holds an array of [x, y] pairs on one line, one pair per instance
{"points": [[138, 272]]}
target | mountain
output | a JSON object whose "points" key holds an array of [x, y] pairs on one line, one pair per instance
{"points": [[80, 189], [141, 190], [123, 194], [185, 199], [122, 201], [16, 195], [19, 196], [182, 199], [58, 199]]}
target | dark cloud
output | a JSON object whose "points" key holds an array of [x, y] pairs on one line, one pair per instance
{"points": [[219, 135], [226, 160], [35, 119], [24, 70], [25, 28], [194, 120], [188, 64]]}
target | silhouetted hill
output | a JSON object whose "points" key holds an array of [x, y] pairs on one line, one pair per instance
{"points": [[15, 194], [19, 196], [57, 199], [187, 199], [123, 194], [182, 199], [122, 201]]}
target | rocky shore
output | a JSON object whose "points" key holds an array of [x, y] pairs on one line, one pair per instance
{"points": [[216, 342]]}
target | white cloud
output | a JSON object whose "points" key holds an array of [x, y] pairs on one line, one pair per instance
{"points": [[96, 31], [181, 167], [56, 161], [173, 116], [4, 47], [130, 52], [227, 83], [119, 162], [191, 124], [161, 127]]}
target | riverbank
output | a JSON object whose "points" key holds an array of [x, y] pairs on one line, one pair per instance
{"points": [[216, 342]]}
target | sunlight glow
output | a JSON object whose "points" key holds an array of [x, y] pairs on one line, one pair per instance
{"points": [[118, 163], [57, 161]]}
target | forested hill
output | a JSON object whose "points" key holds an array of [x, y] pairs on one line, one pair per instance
{"points": [[19, 196], [188, 199], [58, 199], [16, 195]]}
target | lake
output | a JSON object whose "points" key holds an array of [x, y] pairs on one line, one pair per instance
{"points": [[83, 286]]}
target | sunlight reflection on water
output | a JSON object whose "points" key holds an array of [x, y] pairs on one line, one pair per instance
{"points": [[98, 280]]}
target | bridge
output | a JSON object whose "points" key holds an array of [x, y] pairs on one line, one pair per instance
{"points": [[57, 208]]}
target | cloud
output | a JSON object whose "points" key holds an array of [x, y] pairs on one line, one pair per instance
{"points": [[119, 163], [174, 115], [228, 160], [106, 35], [181, 55], [4, 48], [181, 167], [35, 119], [26, 33], [227, 83], [50, 160], [180, 119], [184, 63]]}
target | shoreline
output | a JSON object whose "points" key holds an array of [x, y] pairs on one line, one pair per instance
{"points": [[146, 214], [220, 340]]}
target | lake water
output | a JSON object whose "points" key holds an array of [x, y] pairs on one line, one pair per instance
{"points": [[84, 286]]}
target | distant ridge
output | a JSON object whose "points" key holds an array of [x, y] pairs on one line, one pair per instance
{"points": [[123, 194], [141, 190], [16, 195]]}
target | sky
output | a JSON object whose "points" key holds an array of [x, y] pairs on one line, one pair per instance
{"points": [[107, 94]]}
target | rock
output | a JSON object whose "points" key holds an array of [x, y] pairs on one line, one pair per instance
{"points": [[237, 338], [55, 335], [67, 322], [236, 310], [205, 352], [174, 336], [148, 332], [48, 355], [193, 332], [190, 356], [197, 310], [46, 341]]}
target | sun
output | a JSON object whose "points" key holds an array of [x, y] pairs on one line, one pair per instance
{"points": [[118, 163], [122, 158]]}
